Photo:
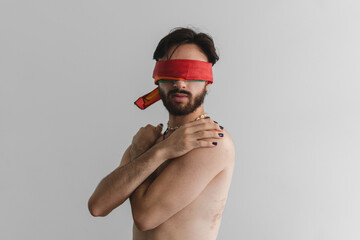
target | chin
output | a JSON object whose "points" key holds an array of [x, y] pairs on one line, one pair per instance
{"points": [[180, 111]]}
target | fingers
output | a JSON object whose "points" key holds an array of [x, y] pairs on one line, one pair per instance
{"points": [[208, 134], [159, 127], [204, 133], [157, 131], [150, 130], [202, 125], [206, 144]]}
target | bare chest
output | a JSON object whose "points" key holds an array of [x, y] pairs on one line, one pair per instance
{"points": [[201, 218]]}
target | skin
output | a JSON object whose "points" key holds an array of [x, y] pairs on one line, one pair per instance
{"points": [[177, 186]]}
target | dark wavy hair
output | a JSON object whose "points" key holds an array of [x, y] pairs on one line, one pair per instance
{"points": [[179, 36]]}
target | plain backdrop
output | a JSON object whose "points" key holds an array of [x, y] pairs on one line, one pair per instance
{"points": [[286, 88]]}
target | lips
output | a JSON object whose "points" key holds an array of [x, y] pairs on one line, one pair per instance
{"points": [[179, 97]]}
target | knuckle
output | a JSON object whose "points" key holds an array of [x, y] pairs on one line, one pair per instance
{"points": [[186, 131], [199, 122]]}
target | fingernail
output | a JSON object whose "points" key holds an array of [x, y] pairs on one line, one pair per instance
{"points": [[216, 122], [221, 135], [221, 127], [214, 143], [207, 117]]}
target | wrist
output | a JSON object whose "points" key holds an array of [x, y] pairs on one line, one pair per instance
{"points": [[160, 152], [135, 152]]}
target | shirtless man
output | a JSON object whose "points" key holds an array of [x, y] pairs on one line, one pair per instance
{"points": [[177, 182]]}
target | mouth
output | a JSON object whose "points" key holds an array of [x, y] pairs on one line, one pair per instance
{"points": [[179, 97]]}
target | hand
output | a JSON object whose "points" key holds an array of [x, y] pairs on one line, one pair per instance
{"points": [[196, 134], [144, 139]]}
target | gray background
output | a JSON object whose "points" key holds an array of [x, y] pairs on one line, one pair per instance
{"points": [[286, 88]]}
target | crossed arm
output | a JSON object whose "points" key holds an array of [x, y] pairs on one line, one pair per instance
{"points": [[115, 188], [177, 186], [137, 166]]}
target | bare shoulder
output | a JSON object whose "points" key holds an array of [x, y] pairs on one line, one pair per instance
{"points": [[226, 144], [224, 150], [217, 158]]}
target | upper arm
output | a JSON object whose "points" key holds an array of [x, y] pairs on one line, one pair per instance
{"points": [[184, 179]]}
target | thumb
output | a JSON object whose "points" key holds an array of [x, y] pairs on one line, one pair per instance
{"points": [[159, 128]]}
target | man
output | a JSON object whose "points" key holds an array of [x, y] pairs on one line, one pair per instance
{"points": [[177, 182]]}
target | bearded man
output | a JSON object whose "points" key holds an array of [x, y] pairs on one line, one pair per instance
{"points": [[177, 181]]}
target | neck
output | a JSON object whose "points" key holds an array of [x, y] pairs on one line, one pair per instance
{"points": [[181, 120]]}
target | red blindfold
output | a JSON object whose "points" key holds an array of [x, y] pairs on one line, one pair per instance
{"points": [[176, 69]]}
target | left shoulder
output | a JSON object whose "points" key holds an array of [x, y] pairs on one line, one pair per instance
{"points": [[226, 143], [224, 150], [218, 157], [224, 147]]}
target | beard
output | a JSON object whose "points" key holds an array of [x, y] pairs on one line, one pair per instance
{"points": [[179, 110]]}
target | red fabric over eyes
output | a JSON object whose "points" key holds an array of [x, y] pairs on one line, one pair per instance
{"points": [[183, 69], [176, 69]]}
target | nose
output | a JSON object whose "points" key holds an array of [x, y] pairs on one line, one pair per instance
{"points": [[179, 84]]}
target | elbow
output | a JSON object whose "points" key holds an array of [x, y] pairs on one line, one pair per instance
{"points": [[95, 210]]}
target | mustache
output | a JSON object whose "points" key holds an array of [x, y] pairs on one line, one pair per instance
{"points": [[179, 91]]}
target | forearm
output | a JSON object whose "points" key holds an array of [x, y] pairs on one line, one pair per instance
{"points": [[115, 188]]}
